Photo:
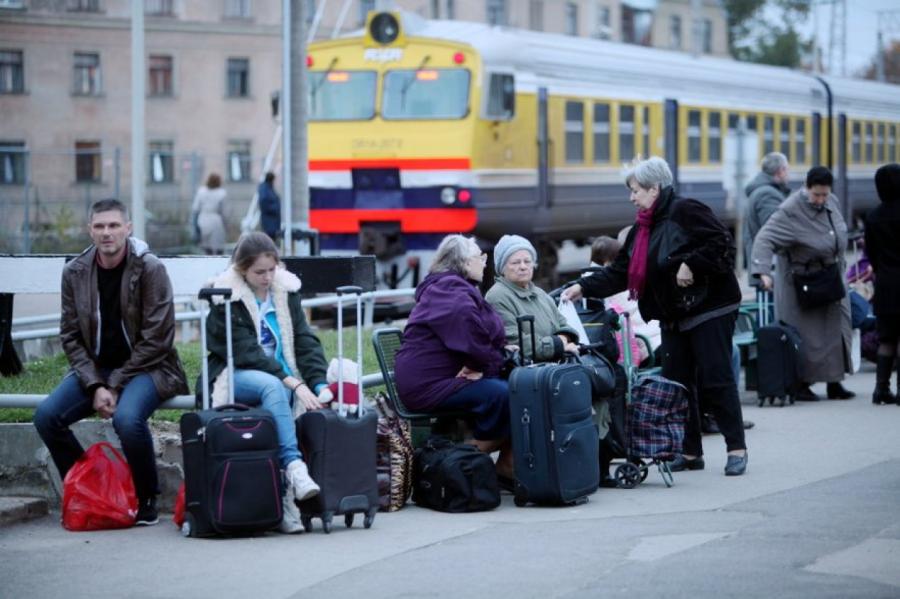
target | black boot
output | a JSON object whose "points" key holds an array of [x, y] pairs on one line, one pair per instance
{"points": [[883, 367], [837, 391]]}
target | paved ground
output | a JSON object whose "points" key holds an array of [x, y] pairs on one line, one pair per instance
{"points": [[816, 516]]}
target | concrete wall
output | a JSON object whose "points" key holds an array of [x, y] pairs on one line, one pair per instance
{"points": [[27, 470]]}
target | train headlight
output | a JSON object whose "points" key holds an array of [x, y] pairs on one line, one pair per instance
{"points": [[448, 196], [384, 28]]}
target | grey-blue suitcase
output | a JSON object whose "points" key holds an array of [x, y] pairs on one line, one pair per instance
{"points": [[554, 440]]}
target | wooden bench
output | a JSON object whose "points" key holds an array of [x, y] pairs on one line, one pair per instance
{"points": [[42, 274]]}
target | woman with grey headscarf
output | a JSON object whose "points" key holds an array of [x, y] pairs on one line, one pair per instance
{"points": [[514, 294]]}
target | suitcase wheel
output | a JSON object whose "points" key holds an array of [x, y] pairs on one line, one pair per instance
{"points": [[187, 527], [326, 523], [772, 401], [368, 520], [306, 521], [762, 401], [628, 475], [781, 401], [348, 520], [520, 498], [791, 399]]}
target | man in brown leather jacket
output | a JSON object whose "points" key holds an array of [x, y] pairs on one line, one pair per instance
{"points": [[117, 329]]}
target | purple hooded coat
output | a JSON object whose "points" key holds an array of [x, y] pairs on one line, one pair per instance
{"points": [[450, 327]]}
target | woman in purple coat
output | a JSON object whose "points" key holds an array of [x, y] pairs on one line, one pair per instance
{"points": [[452, 348]]}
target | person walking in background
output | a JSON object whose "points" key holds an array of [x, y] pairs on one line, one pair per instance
{"points": [[279, 362], [765, 193], [678, 261], [883, 247], [208, 212], [269, 207], [808, 233], [118, 331]]}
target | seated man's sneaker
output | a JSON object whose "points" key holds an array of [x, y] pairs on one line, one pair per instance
{"points": [[147, 514], [298, 478]]}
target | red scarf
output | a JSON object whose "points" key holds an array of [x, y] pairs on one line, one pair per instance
{"points": [[637, 266]]}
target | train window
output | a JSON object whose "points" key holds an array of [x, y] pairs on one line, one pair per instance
{"points": [[733, 120], [626, 133], [784, 136], [800, 142], [341, 95], [413, 94], [693, 136], [501, 104], [574, 132], [892, 143], [868, 142], [768, 134], [715, 136], [751, 122], [601, 133], [880, 142], [645, 132], [855, 143]]}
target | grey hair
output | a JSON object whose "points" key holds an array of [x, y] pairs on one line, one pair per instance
{"points": [[649, 173], [773, 162], [453, 253]]}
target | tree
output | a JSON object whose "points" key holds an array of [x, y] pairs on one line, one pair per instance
{"points": [[768, 37], [891, 64]]}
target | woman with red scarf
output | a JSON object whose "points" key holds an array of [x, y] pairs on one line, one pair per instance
{"points": [[678, 262]]}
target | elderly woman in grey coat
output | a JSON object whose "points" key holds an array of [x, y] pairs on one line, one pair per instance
{"points": [[514, 294], [807, 233]]}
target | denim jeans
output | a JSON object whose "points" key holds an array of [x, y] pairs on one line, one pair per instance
{"points": [[488, 400], [70, 402], [258, 388]]}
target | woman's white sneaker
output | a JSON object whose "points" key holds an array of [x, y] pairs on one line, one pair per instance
{"points": [[298, 477], [290, 514]]}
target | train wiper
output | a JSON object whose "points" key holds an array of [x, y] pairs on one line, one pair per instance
{"points": [[412, 80], [320, 82]]}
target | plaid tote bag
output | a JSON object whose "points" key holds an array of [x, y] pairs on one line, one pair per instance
{"points": [[656, 416]]}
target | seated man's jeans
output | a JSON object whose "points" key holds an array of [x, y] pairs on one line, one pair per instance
{"points": [[69, 403]]}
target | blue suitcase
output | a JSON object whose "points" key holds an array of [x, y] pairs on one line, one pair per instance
{"points": [[554, 440]]}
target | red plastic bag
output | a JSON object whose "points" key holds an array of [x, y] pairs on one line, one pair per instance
{"points": [[98, 492], [178, 516]]}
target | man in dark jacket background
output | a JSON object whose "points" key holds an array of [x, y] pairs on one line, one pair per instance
{"points": [[269, 207], [883, 249], [764, 195], [118, 329]]}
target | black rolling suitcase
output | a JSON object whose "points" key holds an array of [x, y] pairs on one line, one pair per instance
{"points": [[778, 349], [554, 441], [340, 449], [233, 482]]}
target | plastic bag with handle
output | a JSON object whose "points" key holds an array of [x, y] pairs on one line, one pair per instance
{"points": [[570, 313], [98, 492]]}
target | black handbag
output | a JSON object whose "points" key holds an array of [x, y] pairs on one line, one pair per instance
{"points": [[451, 477], [821, 287], [598, 367]]}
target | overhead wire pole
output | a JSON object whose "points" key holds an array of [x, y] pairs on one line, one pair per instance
{"points": [[137, 118]]}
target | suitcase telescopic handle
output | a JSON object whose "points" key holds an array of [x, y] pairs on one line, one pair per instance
{"points": [[529, 318], [207, 293], [341, 291]]}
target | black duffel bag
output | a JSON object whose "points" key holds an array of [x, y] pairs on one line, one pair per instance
{"points": [[820, 287], [451, 477]]}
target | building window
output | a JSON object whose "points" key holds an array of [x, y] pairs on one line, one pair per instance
{"points": [[237, 9], [626, 133], [12, 162], [162, 162], [238, 77], [496, 12], [12, 72], [87, 161], [637, 25], [366, 6], [536, 15], [693, 136], [768, 134], [571, 18], [160, 68], [602, 29], [784, 136], [238, 166], [601, 132], [310, 10], [800, 142], [706, 33], [159, 8], [450, 10], [714, 132], [855, 143], [675, 32], [84, 5], [574, 132], [86, 74]]}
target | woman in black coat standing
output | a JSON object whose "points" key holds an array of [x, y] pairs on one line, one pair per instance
{"points": [[678, 262], [883, 249]]}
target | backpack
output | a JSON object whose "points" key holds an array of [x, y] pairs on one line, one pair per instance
{"points": [[451, 477]]}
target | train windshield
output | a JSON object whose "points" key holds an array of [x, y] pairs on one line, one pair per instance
{"points": [[341, 95], [425, 94]]}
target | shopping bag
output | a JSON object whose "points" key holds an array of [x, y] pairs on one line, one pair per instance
{"points": [[98, 492], [570, 313], [178, 516], [856, 351]]}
